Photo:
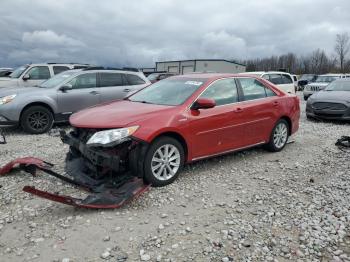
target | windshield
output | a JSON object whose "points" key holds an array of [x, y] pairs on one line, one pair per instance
{"points": [[325, 79], [152, 76], [338, 86], [18, 72], [170, 92], [57, 79]]}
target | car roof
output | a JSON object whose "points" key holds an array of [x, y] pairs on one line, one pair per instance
{"points": [[208, 76], [264, 72]]}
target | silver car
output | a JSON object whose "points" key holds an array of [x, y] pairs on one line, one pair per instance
{"points": [[37, 108], [35, 74]]}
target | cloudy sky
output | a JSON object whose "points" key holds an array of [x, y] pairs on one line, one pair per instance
{"points": [[138, 33]]}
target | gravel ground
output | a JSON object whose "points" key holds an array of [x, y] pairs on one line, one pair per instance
{"points": [[248, 206]]}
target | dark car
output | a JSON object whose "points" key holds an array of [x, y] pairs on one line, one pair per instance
{"points": [[305, 79], [155, 77], [5, 72], [331, 103]]}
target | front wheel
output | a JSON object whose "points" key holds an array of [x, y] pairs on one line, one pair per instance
{"points": [[36, 120], [164, 161], [279, 136]]}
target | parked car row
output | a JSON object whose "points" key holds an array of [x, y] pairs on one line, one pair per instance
{"points": [[320, 83], [34, 74], [36, 108]]}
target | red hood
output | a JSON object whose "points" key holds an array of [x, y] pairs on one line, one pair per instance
{"points": [[115, 114]]}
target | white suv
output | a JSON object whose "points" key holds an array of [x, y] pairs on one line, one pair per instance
{"points": [[35, 74], [282, 80]]}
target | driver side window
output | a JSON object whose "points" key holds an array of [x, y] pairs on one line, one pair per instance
{"points": [[222, 91], [39, 73], [84, 81]]}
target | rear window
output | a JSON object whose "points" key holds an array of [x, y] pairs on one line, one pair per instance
{"points": [[134, 79], [111, 79], [286, 79], [59, 69]]}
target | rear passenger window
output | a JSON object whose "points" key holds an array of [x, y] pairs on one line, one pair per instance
{"points": [[84, 81], [253, 89], [222, 91], [39, 73], [275, 79], [59, 69], [111, 79], [286, 79], [134, 80]]}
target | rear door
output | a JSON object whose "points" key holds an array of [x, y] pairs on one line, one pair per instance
{"points": [[84, 93], [258, 111], [113, 86]]}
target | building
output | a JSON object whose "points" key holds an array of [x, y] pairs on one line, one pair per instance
{"points": [[200, 65]]}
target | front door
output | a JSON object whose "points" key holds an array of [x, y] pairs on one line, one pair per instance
{"points": [[214, 130], [37, 75], [84, 93]]}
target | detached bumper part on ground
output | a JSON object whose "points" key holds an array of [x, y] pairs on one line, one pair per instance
{"points": [[109, 184]]}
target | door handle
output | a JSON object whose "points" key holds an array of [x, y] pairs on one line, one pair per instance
{"points": [[126, 90], [94, 93], [275, 103], [238, 110]]}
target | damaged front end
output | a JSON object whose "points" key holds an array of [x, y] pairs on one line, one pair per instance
{"points": [[113, 175]]}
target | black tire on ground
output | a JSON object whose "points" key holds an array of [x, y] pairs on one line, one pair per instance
{"points": [[36, 120], [271, 146], [159, 144]]}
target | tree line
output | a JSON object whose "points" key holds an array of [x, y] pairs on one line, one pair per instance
{"points": [[317, 62]]}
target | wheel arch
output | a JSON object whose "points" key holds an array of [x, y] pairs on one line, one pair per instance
{"points": [[289, 121], [178, 137], [43, 104]]}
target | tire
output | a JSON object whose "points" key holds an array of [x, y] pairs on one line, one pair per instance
{"points": [[36, 120], [305, 98], [275, 144], [161, 174]]}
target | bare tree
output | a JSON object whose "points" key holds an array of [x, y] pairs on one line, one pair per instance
{"points": [[342, 48]]}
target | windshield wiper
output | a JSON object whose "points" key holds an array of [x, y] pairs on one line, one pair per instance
{"points": [[141, 101]]}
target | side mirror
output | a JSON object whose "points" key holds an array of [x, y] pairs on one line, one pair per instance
{"points": [[66, 87], [26, 77], [203, 103]]}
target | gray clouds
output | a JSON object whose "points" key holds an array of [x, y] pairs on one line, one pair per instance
{"points": [[138, 33]]}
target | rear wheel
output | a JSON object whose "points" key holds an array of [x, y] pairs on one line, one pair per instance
{"points": [[37, 120], [279, 136], [164, 161]]}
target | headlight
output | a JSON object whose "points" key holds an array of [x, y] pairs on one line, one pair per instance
{"points": [[112, 136], [6, 99]]}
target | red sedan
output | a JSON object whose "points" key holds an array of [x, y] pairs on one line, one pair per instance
{"points": [[154, 132]]}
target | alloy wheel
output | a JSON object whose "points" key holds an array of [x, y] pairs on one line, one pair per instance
{"points": [[38, 120], [280, 135], [165, 162]]}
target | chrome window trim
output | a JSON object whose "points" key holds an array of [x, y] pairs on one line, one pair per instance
{"points": [[238, 102]]}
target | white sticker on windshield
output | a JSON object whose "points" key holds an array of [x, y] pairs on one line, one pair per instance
{"points": [[195, 83], [65, 76]]}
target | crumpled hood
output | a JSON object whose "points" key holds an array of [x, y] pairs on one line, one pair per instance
{"points": [[20, 91], [332, 95], [117, 114]]}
